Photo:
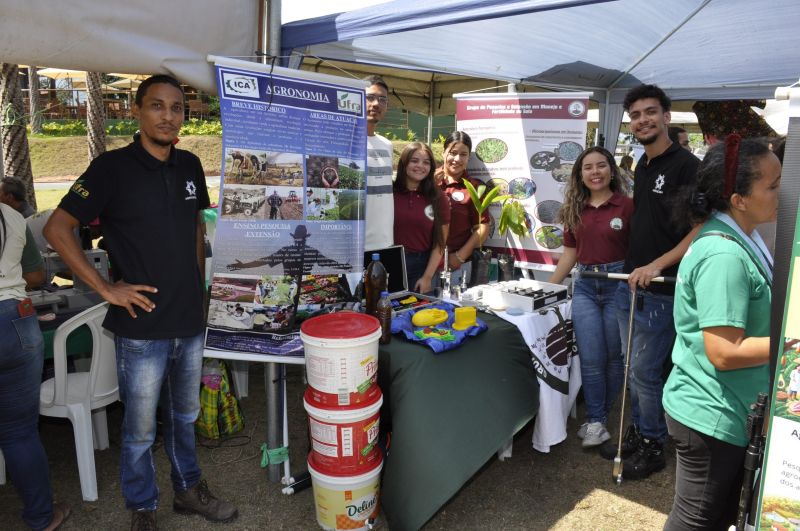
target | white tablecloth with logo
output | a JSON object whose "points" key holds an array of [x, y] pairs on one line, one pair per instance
{"points": [[549, 336]]}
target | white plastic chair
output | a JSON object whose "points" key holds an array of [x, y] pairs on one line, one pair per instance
{"points": [[78, 395]]}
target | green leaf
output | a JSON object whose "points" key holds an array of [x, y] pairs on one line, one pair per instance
{"points": [[503, 223], [489, 198], [474, 196]]}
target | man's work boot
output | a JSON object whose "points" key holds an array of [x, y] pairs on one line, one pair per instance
{"points": [[648, 458], [199, 500], [143, 521], [630, 443]]}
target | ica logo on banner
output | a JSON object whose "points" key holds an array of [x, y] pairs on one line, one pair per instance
{"points": [[348, 101], [240, 85]]}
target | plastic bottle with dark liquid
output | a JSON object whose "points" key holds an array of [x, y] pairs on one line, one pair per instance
{"points": [[384, 315], [374, 283]]}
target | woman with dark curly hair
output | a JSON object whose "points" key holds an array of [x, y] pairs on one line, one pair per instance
{"points": [[421, 215], [722, 316], [596, 214]]}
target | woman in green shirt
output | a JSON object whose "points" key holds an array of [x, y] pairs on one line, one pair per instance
{"points": [[722, 313]]}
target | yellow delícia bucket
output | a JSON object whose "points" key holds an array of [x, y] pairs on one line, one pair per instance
{"points": [[346, 503]]}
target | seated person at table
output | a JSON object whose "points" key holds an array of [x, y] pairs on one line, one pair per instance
{"points": [[596, 214], [13, 192], [421, 215], [467, 230]]}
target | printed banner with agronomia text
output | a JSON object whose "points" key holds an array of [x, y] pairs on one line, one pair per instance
{"points": [[290, 232], [526, 144]]}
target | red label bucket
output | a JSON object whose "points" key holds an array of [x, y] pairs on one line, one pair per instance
{"points": [[346, 502], [344, 439], [341, 351]]}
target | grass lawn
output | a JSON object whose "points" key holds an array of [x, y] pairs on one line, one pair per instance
{"points": [[55, 158], [68, 156]]}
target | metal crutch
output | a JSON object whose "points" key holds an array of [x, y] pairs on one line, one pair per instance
{"points": [[616, 473]]}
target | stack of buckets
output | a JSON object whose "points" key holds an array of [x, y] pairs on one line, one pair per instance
{"points": [[343, 403]]}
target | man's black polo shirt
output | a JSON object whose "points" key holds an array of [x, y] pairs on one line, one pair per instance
{"points": [[148, 210], [653, 232]]}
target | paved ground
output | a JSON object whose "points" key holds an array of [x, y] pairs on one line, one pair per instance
{"points": [[564, 490]]}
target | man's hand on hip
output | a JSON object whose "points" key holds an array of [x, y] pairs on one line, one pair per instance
{"points": [[128, 295]]}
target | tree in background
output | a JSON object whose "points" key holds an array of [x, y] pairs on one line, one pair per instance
{"points": [[35, 102], [95, 115], [16, 153]]}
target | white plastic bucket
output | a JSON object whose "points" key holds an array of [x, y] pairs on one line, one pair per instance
{"points": [[346, 502], [344, 440], [341, 351]]}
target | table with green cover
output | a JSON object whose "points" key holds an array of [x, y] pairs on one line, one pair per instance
{"points": [[450, 413]]}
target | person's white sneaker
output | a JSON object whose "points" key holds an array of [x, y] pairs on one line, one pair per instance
{"points": [[596, 434], [582, 430]]}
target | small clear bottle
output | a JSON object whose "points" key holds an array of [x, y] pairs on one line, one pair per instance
{"points": [[383, 312]]}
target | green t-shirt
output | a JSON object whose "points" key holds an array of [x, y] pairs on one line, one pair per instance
{"points": [[31, 259], [718, 285]]}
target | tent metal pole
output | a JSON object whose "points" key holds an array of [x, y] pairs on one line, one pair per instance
{"points": [[430, 110], [273, 28]]}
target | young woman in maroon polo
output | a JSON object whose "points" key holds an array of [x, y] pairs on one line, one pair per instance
{"points": [[467, 230], [421, 215], [596, 215]]}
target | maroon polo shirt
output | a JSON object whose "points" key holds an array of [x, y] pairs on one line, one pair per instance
{"points": [[602, 236], [413, 220], [462, 214]]}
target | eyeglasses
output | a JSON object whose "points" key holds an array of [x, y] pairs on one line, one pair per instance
{"points": [[372, 98]]}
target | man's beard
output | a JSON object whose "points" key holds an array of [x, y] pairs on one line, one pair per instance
{"points": [[162, 143], [647, 140]]}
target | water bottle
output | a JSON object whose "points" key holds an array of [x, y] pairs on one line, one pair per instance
{"points": [[374, 283], [384, 315]]}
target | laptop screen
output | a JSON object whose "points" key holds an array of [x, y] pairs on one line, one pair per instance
{"points": [[394, 260]]}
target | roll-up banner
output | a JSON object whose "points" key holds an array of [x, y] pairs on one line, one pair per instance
{"points": [[290, 231], [779, 501], [526, 144]]}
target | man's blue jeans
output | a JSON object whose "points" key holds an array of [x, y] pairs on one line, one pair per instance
{"points": [[21, 359], [594, 317], [153, 374], [653, 335]]}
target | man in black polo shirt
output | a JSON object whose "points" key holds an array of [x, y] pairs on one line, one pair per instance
{"points": [[148, 196], [655, 248]]}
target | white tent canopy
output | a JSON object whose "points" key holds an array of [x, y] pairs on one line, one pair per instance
{"points": [[694, 49], [137, 36]]}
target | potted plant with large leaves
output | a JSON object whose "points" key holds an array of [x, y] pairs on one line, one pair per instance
{"points": [[512, 218]]}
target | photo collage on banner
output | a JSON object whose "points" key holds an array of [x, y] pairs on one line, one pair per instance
{"points": [[289, 238], [526, 144]]}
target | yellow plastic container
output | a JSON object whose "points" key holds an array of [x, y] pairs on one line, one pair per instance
{"points": [[465, 318]]}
